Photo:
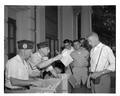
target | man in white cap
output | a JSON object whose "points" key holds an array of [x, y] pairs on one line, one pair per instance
{"points": [[39, 60]]}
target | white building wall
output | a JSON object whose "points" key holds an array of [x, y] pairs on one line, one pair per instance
{"points": [[24, 28], [11, 13], [60, 33], [40, 24]]}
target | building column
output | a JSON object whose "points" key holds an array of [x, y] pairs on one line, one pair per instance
{"points": [[6, 35], [67, 22], [86, 25], [60, 34], [40, 24]]}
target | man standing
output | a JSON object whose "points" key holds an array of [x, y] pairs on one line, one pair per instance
{"points": [[80, 63], [67, 59], [16, 69], [102, 63]]}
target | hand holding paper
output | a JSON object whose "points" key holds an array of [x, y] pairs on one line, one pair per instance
{"points": [[66, 58]]}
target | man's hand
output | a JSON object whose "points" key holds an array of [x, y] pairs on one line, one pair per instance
{"points": [[57, 52], [95, 75], [88, 81]]}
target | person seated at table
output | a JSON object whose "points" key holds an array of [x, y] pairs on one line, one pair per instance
{"points": [[58, 68], [16, 69], [39, 60]]}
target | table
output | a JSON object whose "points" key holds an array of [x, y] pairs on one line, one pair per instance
{"points": [[51, 85]]}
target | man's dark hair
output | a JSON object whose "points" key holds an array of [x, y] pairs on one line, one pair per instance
{"points": [[59, 65], [85, 44], [74, 41], [67, 41]]}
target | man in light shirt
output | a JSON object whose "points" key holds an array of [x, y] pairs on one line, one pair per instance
{"points": [[16, 69], [67, 59], [80, 62], [101, 64], [39, 60]]}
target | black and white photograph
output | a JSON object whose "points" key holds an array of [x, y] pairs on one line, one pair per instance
{"points": [[59, 49]]}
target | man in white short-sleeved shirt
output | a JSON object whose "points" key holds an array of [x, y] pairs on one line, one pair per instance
{"points": [[67, 59], [40, 59], [16, 69]]}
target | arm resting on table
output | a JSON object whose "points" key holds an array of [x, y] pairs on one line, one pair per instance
{"points": [[19, 82]]}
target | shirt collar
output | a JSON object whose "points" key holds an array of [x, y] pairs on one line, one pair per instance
{"points": [[20, 59], [99, 45], [96, 47]]}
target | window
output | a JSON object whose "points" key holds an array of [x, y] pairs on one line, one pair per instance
{"points": [[11, 38]]}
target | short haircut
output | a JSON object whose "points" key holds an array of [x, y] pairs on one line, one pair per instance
{"points": [[94, 34], [67, 41], [74, 41]]}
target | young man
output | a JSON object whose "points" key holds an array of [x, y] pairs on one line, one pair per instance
{"points": [[80, 63], [39, 60], [102, 63], [68, 49], [16, 69]]}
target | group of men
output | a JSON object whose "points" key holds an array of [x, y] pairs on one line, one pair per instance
{"points": [[96, 73], [26, 64]]}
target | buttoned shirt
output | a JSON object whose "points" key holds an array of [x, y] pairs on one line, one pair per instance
{"points": [[37, 58], [16, 68], [106, 58], [80, 57]]}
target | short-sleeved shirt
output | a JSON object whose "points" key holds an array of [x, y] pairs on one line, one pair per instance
{"points": [[80, 57], [16, 68], [36, 58]]}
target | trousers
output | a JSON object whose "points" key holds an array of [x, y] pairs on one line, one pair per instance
{"points": [[103, 86]]}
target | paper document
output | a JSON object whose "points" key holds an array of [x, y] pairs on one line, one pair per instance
{"points": [[66, 59]]}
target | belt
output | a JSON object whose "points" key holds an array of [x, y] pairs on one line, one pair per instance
{"points": [[102, 74]]}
